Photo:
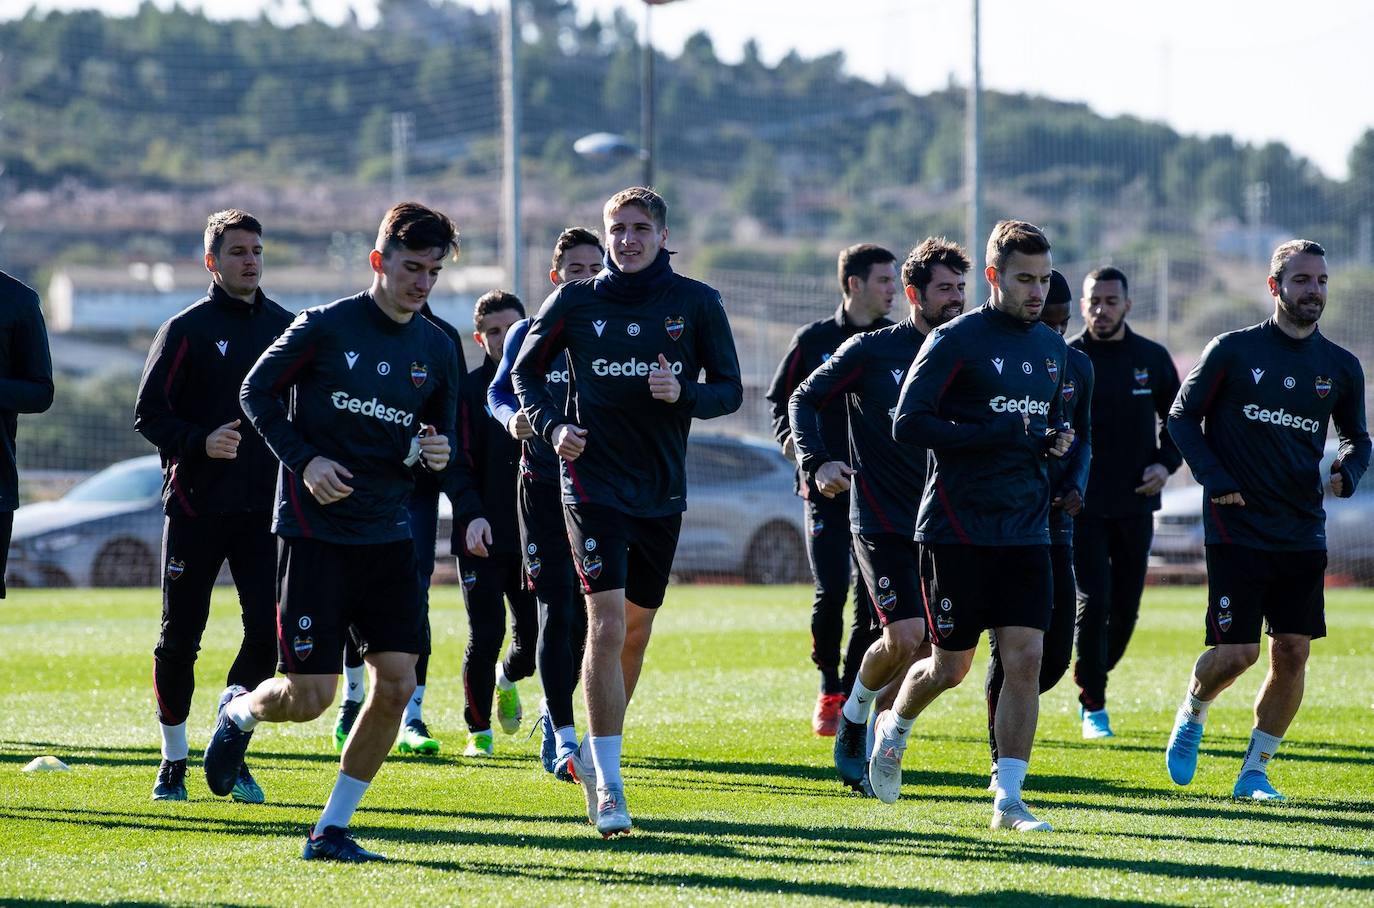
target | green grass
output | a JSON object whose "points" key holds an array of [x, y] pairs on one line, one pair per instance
{"points": [[734, 800]]}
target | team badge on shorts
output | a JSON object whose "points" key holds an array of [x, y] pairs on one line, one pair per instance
{"points": [[944, 624], [817, 528], [1142, 377], [469, 579], [1323, 386], [1068, 390], [887, 600], [418, 373], [591, 566], [1224, 621], [674, 325], [303, 647], [175, 568], [532, 567], [1052, 368]]}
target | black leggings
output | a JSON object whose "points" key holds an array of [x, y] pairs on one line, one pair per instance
{"points": [[193, 551], [486, 582], [1058, 644], [1110, 557], [828, 549], [562, 609]]}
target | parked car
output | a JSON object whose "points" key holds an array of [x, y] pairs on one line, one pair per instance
{"points": [[743, 518], [1177, 552], [106, 531]]}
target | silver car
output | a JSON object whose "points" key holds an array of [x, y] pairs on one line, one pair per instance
{"points": [[1177, 552]]}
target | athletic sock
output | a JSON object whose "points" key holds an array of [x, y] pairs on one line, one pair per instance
{"points": [[1260, 751], [174, 745], [355, 683], [342, 803], [1011, 772], [1195, 709], [860, 698], [502, 681], [566, 738], [414, 704], [606, 756], [902, 724], [239, 713]]}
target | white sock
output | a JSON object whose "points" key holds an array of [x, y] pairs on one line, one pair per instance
{"points": [[355, 682], [902, 726], [1011, 772], [606, 756], [566, 738], [342, 803], [174, 745], [1195, 709], [501, 680], [240, 714], [1261, 750], [860, 698], [414, 704]]}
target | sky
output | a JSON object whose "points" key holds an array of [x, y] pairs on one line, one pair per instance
{"points": [[1264, 70]]}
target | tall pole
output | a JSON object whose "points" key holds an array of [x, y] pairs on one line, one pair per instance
{"points": [[646, 98], [973, 128], [510, 128]]}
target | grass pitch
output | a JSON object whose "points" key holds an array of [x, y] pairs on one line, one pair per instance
{"points": [[734, 800]]}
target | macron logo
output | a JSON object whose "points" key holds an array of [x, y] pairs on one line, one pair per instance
{"points": [[897, 376], [351, 357], [997, 363], [223, 347], [1258, 374], [599, 325]]}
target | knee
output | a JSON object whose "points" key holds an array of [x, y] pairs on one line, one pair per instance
{"points": [[904, 642], [485, 641], [605, 630], [309, 702], [950, 674], [1022, 663], [393, 690], [180, 649], [1237, 659], [1287, 657]]}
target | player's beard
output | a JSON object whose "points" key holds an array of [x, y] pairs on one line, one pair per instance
{"points": [[1294, 311]]}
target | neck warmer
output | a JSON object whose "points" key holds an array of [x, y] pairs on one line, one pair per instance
{"points": [[631, 288]]}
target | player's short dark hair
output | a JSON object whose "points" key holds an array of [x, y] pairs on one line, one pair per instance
{"points": [[1014, 236], [858, 260], [641, 197], [416, 227], [1110, 273], [1285, 253], [574, 236], [229, 219], [919, 266], [1060, 293], [495, 301]]}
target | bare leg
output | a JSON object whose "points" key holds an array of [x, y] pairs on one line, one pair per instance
{"points": [[392, 677], [603, 675], [1281, 694], [1018, 708], [639, 624]]}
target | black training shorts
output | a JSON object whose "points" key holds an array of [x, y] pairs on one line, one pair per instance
{"points": [[326, 590], [612, 550], [970, 588], [891, 567], [1284, 590]]}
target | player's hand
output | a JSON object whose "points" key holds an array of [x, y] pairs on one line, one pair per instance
{"points": [[663, 384], [223, 443], [1070, 502], [789, 448], [519, 426], [569, 441], [1234, 498], [833, 478], [478, 537], [325, 480], [434, 450], [1152, 480], [1063, 440], [1337, 482]]}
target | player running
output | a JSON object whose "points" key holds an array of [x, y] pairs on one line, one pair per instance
{"points": [[638, 339], [218, 484], [1133, 456], [868, 284], [373, 389], [577, 255], [1267, 394], [986, 397], [25, 387], [488, 548], [1068, 476], [888, 477]]}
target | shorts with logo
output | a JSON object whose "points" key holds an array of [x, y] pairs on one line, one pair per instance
{"points": [[612, 550], [970, 588], [891, 568], [544, 539], [1246, 587], [326, 590]]}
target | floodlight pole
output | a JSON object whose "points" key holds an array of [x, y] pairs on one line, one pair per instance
{"points": [[972, 137], [646, 97], [510, 129]]}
